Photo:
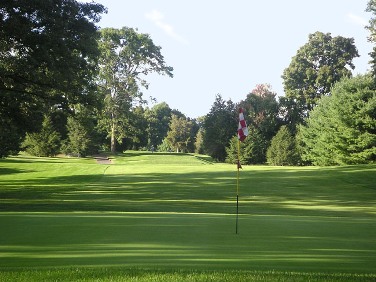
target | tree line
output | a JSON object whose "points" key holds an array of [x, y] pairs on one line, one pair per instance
{"points": [[69, 87]]}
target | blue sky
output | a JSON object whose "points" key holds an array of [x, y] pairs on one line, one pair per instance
{"points": [[228, 47]]}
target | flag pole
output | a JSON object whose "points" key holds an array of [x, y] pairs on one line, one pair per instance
{"points": [[242, 134], [237, 190]]}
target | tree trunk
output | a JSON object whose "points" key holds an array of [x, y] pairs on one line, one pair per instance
{"points": [[113, 139]]}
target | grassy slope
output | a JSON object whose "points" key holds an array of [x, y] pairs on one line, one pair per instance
{"points": [[177, 212]]}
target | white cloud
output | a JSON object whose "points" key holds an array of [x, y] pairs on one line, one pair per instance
{"points": [[158, 19], [357, 19]]}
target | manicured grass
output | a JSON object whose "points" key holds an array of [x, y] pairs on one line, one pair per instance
{"points": [[171, 217]]}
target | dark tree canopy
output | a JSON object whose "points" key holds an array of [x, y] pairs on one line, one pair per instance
{"points": [[47, 47], [262, 112], [48, 51], [219, 126]]}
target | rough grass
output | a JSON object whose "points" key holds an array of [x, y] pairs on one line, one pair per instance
{"points": [[170, 217]]}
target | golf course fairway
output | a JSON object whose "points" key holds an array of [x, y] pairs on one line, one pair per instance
{"points": [[171, 217]]}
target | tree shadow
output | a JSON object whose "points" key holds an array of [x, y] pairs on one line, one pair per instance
{"points": [[323, 192], [4, 171]]}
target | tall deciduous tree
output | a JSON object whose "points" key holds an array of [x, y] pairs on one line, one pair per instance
{"points": [[371, 7], [48, 51], [342, 128], [315, 68], [126, 57]]}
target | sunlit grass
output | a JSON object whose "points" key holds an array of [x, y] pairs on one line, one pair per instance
{"points": [[171, 215]]}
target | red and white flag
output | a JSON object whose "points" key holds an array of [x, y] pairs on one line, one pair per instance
{"points": [[242, 128]]}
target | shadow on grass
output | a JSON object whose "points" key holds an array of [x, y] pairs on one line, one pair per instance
{"points": [[4, 171], [343, 191], [186, 241]]}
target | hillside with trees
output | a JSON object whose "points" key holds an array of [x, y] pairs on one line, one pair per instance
{"points": [[67, 86]]}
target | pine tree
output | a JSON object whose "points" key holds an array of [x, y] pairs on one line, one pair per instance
{"points": [[283, 149], [45, 143]]}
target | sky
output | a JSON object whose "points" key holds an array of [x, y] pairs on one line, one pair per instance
{"points": [[228, 47]]}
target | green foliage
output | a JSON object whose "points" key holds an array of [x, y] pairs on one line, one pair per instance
{"points": [[232, 151], [252, 149], [81, 139], [371, 8], [179, 135], [126, 58], [219, 127], [10, 138], [261, 108], [158, 120], [48, 54], [283, 149], [255, 146], [262, 114], [45, 143], [199, 148], [317, 65], [138, 124], [165, 146], [342, 128]]}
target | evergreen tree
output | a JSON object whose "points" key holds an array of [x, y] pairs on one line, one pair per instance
{"points": [[81, 137], [45, 143], [262, 113], [283, 149], [342, 128], [219, 126]]}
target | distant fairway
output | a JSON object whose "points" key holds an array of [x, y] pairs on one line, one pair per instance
{"points": [[172, 217]]}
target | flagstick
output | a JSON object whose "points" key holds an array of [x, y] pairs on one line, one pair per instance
{"points": [[237, 189]]}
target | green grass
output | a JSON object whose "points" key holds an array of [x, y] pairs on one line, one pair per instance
{"points": [[171, 217]]}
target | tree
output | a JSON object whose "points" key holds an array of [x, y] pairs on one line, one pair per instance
{"points": [[137, 138], [199, 142], [232, 151], [342, 128], [45, 143], [126, 57], [180, 134], [82, 137], [158, 119], [283, 149], [252, 149], [48, 54], [315, 68], [262, 112], [371, 7], [219, 126], [10, 137]]}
